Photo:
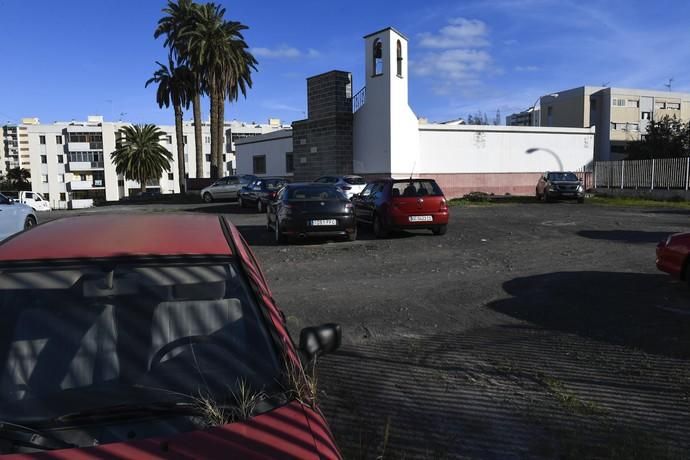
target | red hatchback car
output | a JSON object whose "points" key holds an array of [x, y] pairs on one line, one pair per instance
{"points": [[392, 204], [673, 256], [150, 336]]}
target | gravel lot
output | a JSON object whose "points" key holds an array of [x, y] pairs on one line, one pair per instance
{"points": [[527, 331]]}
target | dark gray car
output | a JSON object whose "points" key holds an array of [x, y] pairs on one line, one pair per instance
{"points": [[560, 186]]}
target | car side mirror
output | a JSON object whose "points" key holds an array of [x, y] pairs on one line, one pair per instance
{"points": [[320, 340]]}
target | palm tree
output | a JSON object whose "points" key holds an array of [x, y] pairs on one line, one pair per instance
{"points": [[140, 155], [177, 17], [174, 84], [216, 49], [19, 178]]}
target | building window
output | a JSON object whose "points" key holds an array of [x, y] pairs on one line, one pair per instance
{"points": [[673, 105], [399, 60], [378, 57], [61, 178], [168, 139], [82, 177], [171, 176], [207, 139], [632, 103], [62, 196], [44, 159], [184, 139], [289, 164], [618, 102], [259, 164], [61, 158], [646, 116], [633, 127], [659, 105], [208, 157], [58, 140], [44, 178], [120, 182], [42, 140]]}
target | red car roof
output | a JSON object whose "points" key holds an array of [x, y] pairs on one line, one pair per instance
{"points": [[119, 235]]}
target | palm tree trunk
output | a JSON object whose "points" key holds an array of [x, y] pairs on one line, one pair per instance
{"points": [[198, 135], [221, 135], [214, 132], [180, 149]]}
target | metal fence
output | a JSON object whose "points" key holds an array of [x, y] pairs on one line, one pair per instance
{"points": [[664, 174]]}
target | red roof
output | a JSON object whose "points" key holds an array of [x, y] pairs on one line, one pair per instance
{"points": [[119, 235]]}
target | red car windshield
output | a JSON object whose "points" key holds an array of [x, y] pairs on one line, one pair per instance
{"points": [[76, 339]]}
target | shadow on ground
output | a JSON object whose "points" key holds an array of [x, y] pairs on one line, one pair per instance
{"points": [[624, 236], [226, 207], [259, 235], [628, 309], [504, 392]]}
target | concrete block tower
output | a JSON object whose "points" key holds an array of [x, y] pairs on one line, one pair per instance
{"points": [[386, 130], [322, 144]]}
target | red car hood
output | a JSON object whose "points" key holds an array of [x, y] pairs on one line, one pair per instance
{"points": [[291, 431]]}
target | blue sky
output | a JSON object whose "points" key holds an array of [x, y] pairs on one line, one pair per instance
{"points": [[64, 60]]}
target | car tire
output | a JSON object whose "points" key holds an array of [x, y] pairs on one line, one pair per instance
{"points": [[440, 230], [280, 238], [208, 198], [29, 222], [380, 230], [260, 206], [352, 236]]}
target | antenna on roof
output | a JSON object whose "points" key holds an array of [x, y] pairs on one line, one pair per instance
{"points": [[605, 84], [669, 85], [414, 165]]}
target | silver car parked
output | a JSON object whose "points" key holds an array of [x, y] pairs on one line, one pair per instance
{"points": [[226, 188], [14, 217]]}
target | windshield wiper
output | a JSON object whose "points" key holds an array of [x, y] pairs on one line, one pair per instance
{"points": [[131, 411], [25, 436]]}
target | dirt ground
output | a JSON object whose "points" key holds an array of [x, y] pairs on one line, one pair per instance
{"points": [[527, 331]]}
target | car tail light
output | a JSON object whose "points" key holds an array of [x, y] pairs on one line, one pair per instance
{"points": [[444, 205], [271, 195]]}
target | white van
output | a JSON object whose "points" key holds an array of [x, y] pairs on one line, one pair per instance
{"points": [[33, 199]]}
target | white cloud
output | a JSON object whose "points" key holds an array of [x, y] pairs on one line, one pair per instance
{"points": [[284, 52], [459, 33], [457, 55]]}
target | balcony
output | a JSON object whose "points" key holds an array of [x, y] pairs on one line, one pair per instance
{"points": [[84, 165], [84, 146], [85, 185]]}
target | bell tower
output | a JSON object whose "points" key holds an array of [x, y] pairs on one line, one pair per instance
{"points": [[386, 133]]}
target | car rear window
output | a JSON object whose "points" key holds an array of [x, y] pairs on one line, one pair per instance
{"points": [[416, 188], [315, 194], [274, 184], [355, 180]]}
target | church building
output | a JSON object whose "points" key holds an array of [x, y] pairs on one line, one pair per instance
{"points": [[373, 132]]}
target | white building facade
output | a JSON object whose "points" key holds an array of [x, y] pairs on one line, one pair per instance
{"points": [[70, 161], [388, 139]]}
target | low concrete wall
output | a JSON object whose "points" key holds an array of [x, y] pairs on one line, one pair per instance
{"points": [[656, 194]]}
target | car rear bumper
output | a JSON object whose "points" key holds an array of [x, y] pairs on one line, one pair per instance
{"points": [[403, 221], [300, 226]]}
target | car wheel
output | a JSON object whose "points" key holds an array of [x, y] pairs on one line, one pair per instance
{"points": [[30, 222], [259, 206], [352, 236], [380, 230], [208, 198], [280, 238], [440, 230]]}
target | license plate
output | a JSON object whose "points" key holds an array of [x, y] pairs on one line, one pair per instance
{"points": [[421, 218], [323, 222]]}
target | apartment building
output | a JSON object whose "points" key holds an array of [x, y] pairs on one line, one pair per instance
{"points": [[70, 161], [620, 115]]}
